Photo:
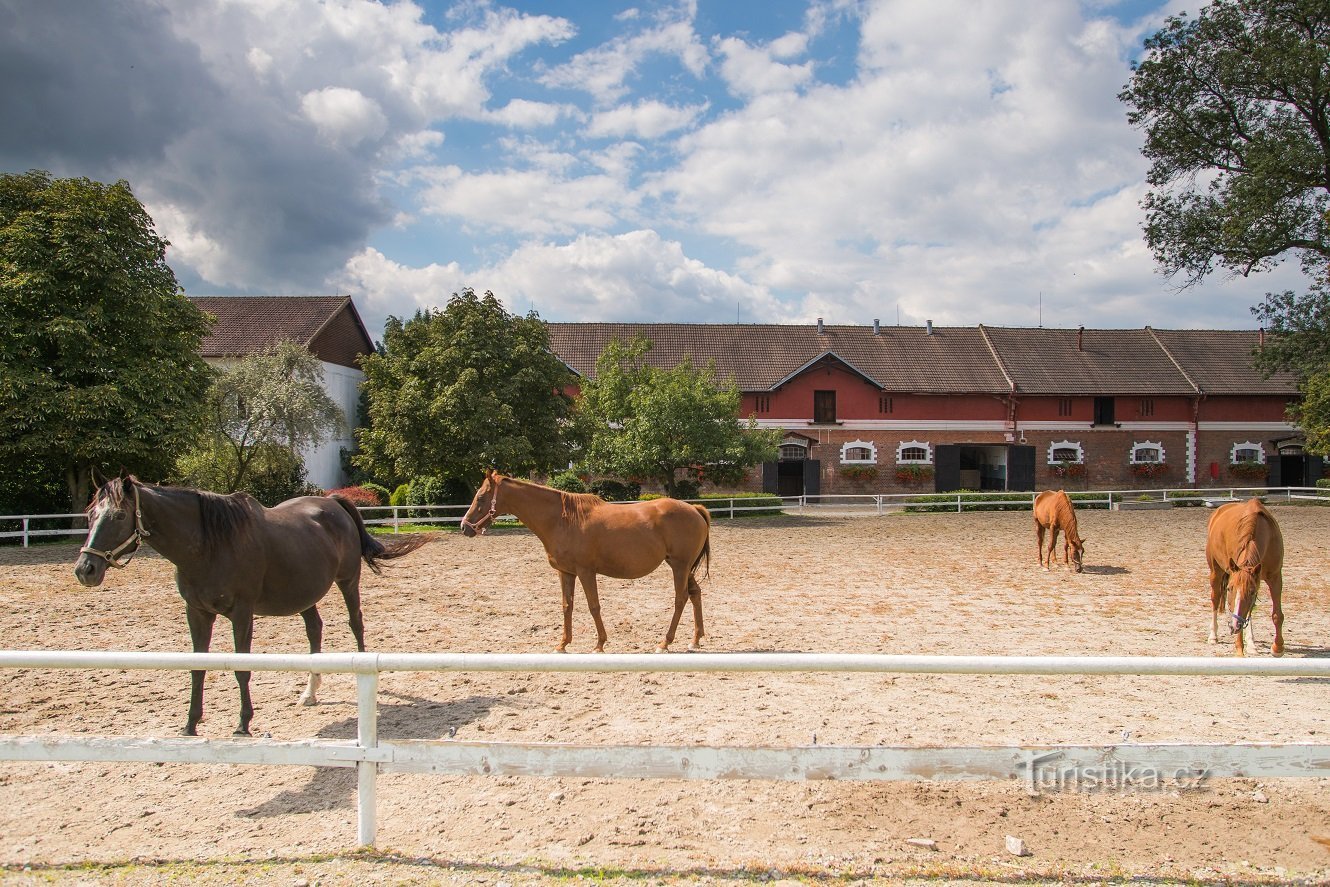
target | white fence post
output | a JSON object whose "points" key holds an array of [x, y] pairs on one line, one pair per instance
{"points": [[367, 736]]}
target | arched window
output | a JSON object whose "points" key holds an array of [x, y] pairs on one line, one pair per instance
{"points": [[793, 451], [859, 452], [1247, 452], [914, 452], [1066, 451], [1147, 453]]}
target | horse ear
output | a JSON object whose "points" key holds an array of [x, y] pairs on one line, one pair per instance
{"points": [[98, 479]]}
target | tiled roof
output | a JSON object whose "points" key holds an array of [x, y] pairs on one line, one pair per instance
{"points": [[761, 356], [1220, 361], [948, 360], [246, 324], [1087, 362]]}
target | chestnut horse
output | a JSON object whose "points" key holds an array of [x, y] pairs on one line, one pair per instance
{"points": [[237, 559], [1244, 546], [1053, 512], [584, 536]]}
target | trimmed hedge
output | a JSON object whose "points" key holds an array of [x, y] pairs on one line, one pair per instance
{"points": [[1008, 501]]}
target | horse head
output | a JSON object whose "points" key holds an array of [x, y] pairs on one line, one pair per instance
{"points": [[1243, 580], [1078, 555], [115, 530], [484, 506]]}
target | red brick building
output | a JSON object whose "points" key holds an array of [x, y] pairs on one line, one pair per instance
{"points": [[867, 409]]}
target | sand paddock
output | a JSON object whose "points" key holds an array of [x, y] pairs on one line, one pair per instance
{"points": [[959, 584]]}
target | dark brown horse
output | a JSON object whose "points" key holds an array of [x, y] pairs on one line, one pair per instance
{"points": [[1243, 546], [1053, 513], [237, 559], [584, 536]]}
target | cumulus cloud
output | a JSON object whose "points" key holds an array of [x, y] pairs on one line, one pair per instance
{"points": [[643, 120], [628, 277]]}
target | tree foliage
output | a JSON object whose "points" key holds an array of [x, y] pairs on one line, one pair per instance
{"points": [[1235, 105], [99, 348], [676, 426], [463, 389], [270, 399]]}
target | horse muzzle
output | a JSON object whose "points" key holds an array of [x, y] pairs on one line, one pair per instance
{"points": [[89, 571]]}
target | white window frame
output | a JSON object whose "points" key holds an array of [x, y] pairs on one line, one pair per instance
{"points": [[1066, 445], [1247, 445], [793, 442], [1147, 445], [912, 444], [859, 444]]}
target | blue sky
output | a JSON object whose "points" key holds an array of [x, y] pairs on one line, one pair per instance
{"points": [[961, 161]]}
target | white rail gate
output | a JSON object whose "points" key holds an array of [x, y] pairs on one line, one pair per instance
{"points": [[371, 756]]}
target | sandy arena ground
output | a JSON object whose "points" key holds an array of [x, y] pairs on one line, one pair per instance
{"points": [[959, 584]]}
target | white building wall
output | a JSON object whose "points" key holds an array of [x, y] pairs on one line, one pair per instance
{"points": [[323, 464]]}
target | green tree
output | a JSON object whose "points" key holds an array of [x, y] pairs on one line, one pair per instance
{"points": [[99, 354], [1235, 106], [270, 399], [459, 390], [677, 426]]}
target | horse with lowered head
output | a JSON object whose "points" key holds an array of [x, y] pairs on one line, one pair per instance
{"points": [[585, 536], [237, 559], [1053, 513], [1244, 546]]}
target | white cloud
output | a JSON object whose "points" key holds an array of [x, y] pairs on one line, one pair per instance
{"points": [[755, 70], [624, 277], [524, 114], [644, 120], [343, 115], [604, 71]]}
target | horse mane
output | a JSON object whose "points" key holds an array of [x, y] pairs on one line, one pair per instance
{"points": [[221, 518], [1244, 530], [577, 506]]}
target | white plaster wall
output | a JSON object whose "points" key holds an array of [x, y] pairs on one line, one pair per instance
{"points": [[323, 464]]}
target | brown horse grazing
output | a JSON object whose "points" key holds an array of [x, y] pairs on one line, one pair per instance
{"points": [[584, 536], [1244, 546], [237, 559], [1053, 512]]}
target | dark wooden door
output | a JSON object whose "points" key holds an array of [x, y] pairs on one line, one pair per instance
{"points": [[771, 477], [1020, 468], [824, 406], [946, 468], [813, 476]]}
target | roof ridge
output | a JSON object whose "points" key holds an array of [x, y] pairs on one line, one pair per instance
{"points": [[992, 350], [1169, 354]]}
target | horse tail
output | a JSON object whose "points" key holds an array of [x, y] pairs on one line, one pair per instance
{"points": [[373, 550], [705, 553]]}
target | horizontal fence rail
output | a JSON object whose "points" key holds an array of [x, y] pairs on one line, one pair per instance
{"points": [[829, 505], [1160, 765]]}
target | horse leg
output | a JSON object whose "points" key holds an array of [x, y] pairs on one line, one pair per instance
{"points": [[681, 578], [350, 589], [242, 630], [1217, 582], [1039, 542], [313, 631], [200, 636], [593, 604], [695, 595], [1276, 586], [566, 587]]}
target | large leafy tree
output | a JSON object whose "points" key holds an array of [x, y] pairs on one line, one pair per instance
{"points": [[676, 426], [271, 399], [459, 390], [1235, 106], [99, 348]]}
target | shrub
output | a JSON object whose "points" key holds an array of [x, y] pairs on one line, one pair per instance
{"points": [[381, 492], [619, 491], [400, 495], [687, 488], [361, 497], [567, 481]]}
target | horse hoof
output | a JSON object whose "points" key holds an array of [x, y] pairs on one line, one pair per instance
{"points": [[694, 648], [308, 699], [241, 731], [188, 731], [662, 648], [1276, 651]]}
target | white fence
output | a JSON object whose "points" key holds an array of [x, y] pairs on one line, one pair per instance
{"points": [[1185, 764], [396, 516]]}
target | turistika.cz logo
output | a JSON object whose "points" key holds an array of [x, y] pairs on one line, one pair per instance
{"points": [[1044, 773]]}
